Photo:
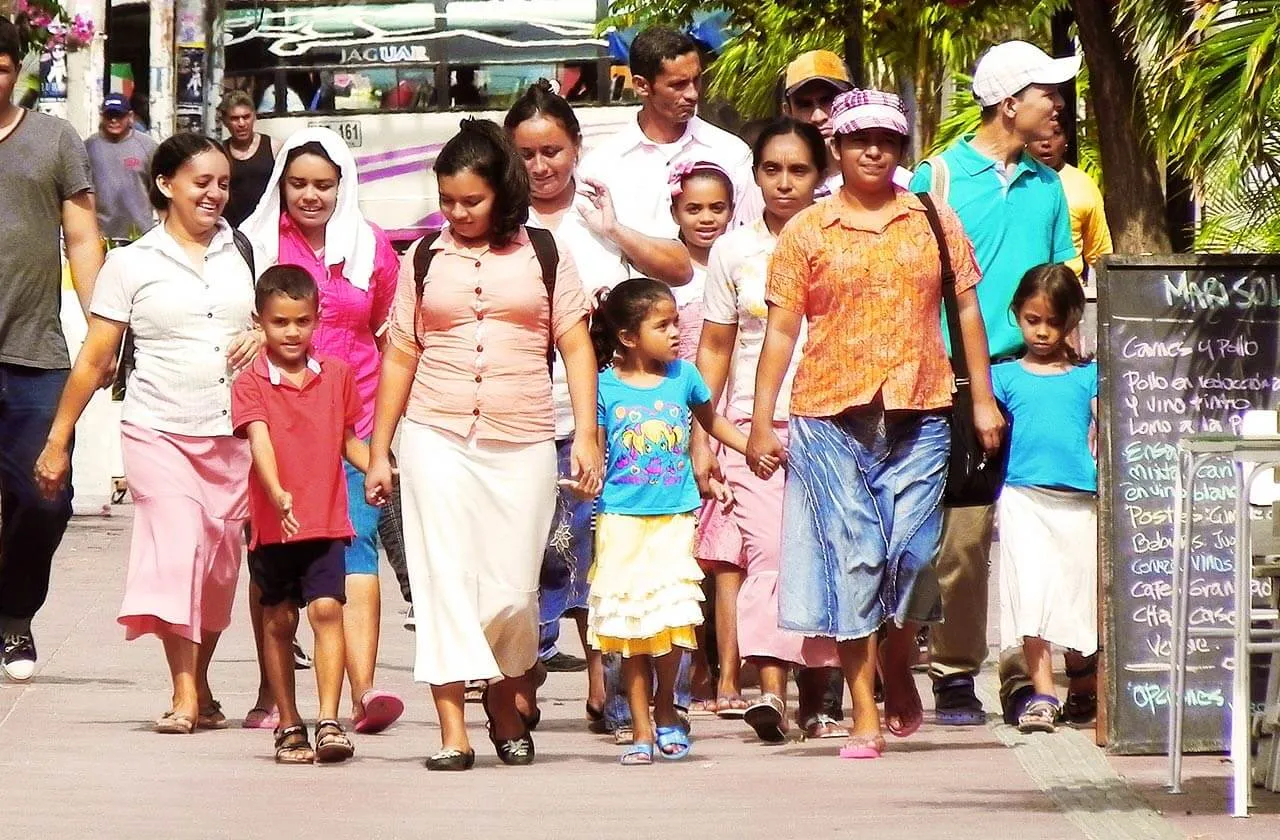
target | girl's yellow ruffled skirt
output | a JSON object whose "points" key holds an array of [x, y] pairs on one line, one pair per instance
{"points": [[646, 593]]}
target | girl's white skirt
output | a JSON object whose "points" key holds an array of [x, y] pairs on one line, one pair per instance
{"points": [[476, 519], [1048, 567]]}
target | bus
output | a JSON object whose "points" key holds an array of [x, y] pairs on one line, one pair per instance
{"points": [[395, 78]]}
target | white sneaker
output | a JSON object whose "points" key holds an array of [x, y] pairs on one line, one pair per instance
{"points": [[19, 657], [410, 623]]}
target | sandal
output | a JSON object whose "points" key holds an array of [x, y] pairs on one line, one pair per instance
{"points": [[624, 735], [332, 743], [863, 747], [1081, 707], [673, 736], [451, 759], [381, 709], [823, 726], [260, 718], [211, 717], [292, 745], [1040, 715], [767, 716], [701, 707], [172, 723], [732, 707], [636, 754]]}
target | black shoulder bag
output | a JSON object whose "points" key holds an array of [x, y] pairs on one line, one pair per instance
{"points": [[125, 366], [973, 477]]}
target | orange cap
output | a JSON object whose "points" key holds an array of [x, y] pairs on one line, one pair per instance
{"points": [[817, 64]]}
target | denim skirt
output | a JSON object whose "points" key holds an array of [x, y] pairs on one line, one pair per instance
{"points": [[862, 516]]}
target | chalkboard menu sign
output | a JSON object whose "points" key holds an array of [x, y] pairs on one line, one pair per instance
{"points": [[1186, 345]]}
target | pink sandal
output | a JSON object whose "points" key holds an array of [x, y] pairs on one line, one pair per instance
{"points": [[863, 746], [381, 709], [260, 718]]}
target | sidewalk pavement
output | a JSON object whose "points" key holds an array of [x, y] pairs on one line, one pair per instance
{"points": [[80, 760]]}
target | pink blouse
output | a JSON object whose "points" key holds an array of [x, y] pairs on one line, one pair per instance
{"points": [[349, 317], [482, 368]]}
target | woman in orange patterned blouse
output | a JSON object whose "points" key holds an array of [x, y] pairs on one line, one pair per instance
{"points": [[869, 430]]}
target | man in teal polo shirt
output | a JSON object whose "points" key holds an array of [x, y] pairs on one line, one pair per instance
{"points": [[1015, 212]]}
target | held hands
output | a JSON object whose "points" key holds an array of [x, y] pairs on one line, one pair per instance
{"points": [[243, 348], [765, 452], [378, 481], [51, 470], [989, 423], [283, 500], [586, 467]]}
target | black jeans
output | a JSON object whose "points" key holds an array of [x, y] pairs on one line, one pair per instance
{"points": [[30, 527]]}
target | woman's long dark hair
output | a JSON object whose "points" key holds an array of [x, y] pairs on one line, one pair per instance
{"points": [[481, 147], [1060, 285], [624, 308]]}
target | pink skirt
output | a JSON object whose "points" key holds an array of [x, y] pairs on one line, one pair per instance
{"points": [[758, 517], [191, 502]]}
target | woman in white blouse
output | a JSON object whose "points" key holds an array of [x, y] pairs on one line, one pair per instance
{"points": [[185, 289], [545, 132]]}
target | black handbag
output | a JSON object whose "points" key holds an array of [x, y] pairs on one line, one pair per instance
{"points": [[125, 364], [973, 477]]}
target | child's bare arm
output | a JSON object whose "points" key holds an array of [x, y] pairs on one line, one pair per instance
{"points": [[720, 428], [355, 450], [264, 463]]}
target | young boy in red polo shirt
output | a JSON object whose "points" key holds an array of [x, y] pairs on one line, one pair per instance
{"points": [[299, 414]]}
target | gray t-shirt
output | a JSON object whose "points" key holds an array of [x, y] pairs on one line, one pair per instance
{"points": [[42, 164], [120, 181]]}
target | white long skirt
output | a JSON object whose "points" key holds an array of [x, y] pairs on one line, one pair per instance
{"points": [[476, 519], [1048, 567]]}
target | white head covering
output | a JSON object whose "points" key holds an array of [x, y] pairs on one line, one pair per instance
{"points": [[348, 238]]}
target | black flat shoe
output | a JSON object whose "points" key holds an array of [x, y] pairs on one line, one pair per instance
{"points": [[517, 752], [452, 760]]}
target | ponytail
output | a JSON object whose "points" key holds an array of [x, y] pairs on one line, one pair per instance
{"points": [[480, 146], [624, 308]]}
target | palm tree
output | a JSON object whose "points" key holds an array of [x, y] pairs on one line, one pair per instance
{"points": [[1213, 88]]}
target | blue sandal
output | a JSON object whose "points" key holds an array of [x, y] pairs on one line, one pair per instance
{"points": [[636, 754], [673, 736]]}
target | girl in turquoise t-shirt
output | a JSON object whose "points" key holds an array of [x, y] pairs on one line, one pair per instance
{"points": [[645, 595], [1048, 508]]}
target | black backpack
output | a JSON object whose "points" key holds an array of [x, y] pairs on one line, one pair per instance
{"points": [[544, 248], [126, 364]]}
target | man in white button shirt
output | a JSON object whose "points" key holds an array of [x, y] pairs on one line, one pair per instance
{"points": [[634, 164]]}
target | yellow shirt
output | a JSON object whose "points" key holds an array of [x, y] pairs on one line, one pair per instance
{"points": [[1089, 228]]}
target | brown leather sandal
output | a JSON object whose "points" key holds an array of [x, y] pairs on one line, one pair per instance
{"points": [[332, 743], [293, 746]]}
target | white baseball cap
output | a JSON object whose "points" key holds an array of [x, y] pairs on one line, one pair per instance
{"points": [[1008, 68]]}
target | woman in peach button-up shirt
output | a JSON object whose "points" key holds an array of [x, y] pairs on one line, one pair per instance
{"points": [[477, 452]]}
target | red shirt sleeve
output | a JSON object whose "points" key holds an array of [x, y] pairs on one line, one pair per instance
{"points": [[246, 402]]}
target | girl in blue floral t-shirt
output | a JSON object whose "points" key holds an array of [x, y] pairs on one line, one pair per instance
{"points": [[645, 594]]}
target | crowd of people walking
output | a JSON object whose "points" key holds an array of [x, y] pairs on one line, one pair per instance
{"points": [[693, 391]]}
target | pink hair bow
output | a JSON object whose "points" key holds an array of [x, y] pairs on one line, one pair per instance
{"points": [[682, 170]]}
